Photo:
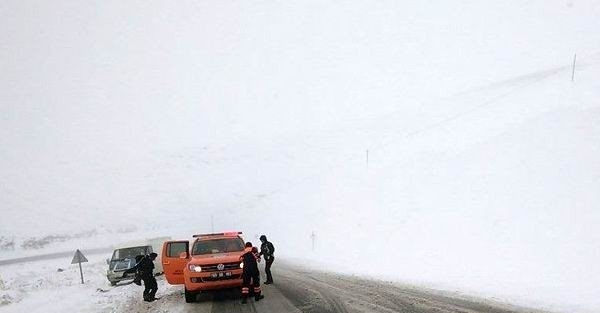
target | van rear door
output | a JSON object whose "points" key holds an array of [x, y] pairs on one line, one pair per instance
{"points": [[172, 262]]}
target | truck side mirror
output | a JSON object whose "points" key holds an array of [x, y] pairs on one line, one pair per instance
{"points": [[108, 261]]}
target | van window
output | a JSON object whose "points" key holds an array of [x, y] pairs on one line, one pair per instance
{"points": [[131, 253], [121, 265]]}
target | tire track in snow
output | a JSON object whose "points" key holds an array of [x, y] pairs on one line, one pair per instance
{"points": [[314, 291]]}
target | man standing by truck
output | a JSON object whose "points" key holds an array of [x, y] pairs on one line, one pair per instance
{"points": [[146, 270], [250, 275], [267, 249]]}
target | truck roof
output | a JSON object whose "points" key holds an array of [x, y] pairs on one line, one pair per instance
{"points": [[218, 235]]}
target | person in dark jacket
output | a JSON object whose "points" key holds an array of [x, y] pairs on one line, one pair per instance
{"points": [[145, 268], [138, 278], [250, 275], [268, 251]]}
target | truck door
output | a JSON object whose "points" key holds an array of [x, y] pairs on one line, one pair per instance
{"points": [[172, 262]]}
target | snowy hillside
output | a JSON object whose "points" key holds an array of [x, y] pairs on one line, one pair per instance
{"points": [[122, 120]]}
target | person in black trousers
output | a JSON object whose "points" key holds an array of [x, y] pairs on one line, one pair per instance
{"points": [[267, 249], [250, 275], [146, 270]]}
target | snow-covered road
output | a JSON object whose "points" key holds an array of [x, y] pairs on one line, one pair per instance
{"points": [[54, 286]]}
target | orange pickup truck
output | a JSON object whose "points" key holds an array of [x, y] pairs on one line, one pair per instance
{"points": [[212, 263]]}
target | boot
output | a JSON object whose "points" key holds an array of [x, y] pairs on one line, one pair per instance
{"points": [[258, 297], [244, 300]]}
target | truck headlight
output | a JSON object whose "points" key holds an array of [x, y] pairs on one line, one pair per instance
{"points": [[195, 268], [242, 265]]}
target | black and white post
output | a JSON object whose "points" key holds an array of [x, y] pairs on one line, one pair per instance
{"points": [[573, 72]]}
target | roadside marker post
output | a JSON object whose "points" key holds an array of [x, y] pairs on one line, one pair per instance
{"points": [[573, 74], [79, 258]]}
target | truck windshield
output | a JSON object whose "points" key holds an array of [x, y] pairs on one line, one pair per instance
{"points": [[213, 246]]}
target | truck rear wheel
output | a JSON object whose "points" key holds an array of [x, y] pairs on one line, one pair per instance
{"points": [[189, 296]]}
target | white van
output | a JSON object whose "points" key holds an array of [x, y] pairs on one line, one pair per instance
{"points": [[124, 258]]}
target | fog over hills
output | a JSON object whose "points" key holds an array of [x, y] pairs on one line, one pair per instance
{"points": [[441, 143]]}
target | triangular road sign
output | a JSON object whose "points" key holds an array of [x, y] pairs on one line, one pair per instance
{"points": [[78, 257]]}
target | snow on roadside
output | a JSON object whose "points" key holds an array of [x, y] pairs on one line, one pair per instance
{"points": [[55, 286]]}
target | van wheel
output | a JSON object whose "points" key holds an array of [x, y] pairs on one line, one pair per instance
{"points": [[189, 296]]}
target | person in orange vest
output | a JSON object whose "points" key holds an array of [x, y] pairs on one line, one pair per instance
{"points": [[250, 275]]}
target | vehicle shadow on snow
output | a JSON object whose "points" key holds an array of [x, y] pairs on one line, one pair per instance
{"points": [[210, 296], [219, 295]]}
